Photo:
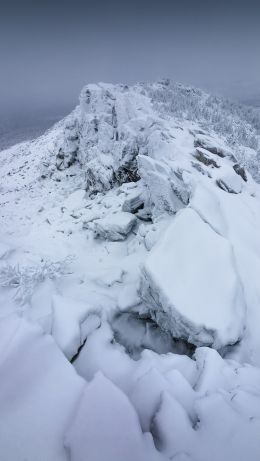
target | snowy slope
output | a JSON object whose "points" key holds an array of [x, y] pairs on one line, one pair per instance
{"points": [[130, 234]]}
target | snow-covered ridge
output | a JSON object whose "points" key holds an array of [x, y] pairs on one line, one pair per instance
{"points": [[123, 119], [130, 250]]}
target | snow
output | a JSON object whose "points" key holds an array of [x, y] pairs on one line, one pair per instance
{"points": [[104, 342], [112, 429], [191, 290], [230, 182], [75, 200], [193, 408], [115, 226], [5, 250], [39, 392], [68, 316]]}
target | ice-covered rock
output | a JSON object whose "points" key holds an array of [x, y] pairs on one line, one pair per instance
{"points": [[115, 226], [215, 146], [190, 285], [67, 152], [230, 183], [168, 190], [205, 157], [134, 202], [240, 171]]}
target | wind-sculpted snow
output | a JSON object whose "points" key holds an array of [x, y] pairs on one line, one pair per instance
{"points": [[130, 255], [38, 394], [106, 426], [189, 284]]}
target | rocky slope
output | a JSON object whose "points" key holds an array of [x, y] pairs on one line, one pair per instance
{"points": [[130, 235]]}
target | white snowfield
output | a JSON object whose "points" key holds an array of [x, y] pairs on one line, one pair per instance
{"points": [[129, 281]]}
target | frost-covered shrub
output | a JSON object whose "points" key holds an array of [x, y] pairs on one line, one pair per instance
{"points": [[24, 279], [238, 123]]}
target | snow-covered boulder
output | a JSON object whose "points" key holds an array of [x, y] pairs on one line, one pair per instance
{"points": [[168, 190], [215, 146], [231, 183], [133, 202], [190, 285], [115, 226], [240, 171], [205, 157]]}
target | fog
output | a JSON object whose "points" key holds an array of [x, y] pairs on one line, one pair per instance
{"points": [[49, 50]]}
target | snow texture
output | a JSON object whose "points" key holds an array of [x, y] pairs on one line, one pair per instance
{"points": [[129, 281]]}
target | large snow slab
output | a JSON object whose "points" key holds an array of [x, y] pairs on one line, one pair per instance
{"points": [[237, 218], [111, 430], [190, 285], [39, 391]]}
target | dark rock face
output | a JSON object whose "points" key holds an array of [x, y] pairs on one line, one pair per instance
{"points": [[205, 159], [224, 186], [127, 172], [211, 148], [200, 169], [240, 171], [134, 203], [65, 160]]}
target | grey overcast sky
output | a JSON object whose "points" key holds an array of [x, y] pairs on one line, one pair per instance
{"points": [[50, 49]]}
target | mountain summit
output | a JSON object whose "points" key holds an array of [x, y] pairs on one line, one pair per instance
{"points": [[129, 280]]}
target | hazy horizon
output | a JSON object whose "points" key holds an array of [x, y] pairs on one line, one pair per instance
{"points": [[49, 50]]}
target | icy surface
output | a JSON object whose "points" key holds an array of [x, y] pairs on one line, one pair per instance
{"points": [[129, 243]]}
